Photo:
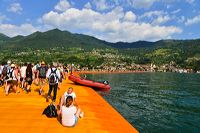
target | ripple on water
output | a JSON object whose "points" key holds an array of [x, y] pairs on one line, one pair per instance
{"points": [[156, 102]]}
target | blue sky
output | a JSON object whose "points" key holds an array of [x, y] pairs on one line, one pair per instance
{"points": [[110, 20]]}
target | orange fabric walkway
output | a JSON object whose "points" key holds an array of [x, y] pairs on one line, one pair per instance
{"points": [[23, 113]]}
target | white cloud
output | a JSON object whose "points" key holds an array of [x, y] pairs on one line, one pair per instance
{"points": [[176, 11], [156, 17], [130, 16], [88, 5], [2, 18], [195, 20], [152, 13], [181, 19], [15, 7], [190, 1], [101, 5], [161, 20], [63, 5], [112, 26], [143, 3], [13, 30]]}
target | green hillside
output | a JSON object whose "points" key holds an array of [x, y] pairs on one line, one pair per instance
{"points": [[3, 38], [65, 47], [53, 38]]}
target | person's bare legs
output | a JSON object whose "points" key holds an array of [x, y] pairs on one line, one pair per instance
{"points": [[25, 86], [15, 88], [42, 85], [7, 88], [28, 87], [59, 118]]}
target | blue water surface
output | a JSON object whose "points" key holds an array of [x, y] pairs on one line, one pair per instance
{"points": [[156, 102]]}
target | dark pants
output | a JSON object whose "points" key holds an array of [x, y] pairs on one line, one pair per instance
{"points": [[54, 88]]}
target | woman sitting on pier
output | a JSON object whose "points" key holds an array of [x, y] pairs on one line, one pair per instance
{"points": [[69, 113]]}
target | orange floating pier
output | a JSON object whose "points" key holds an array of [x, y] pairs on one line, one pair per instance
{"points": [[23, 113]]}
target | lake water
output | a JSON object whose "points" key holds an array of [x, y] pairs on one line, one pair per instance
{"points": [[156, 102]]}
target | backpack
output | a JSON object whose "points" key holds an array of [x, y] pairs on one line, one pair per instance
{"points": [[4, 71], [50, 111], [10, 73], [42, 72], [29, 73], [52, 77]]}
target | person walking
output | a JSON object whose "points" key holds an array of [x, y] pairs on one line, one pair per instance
{"points": [[11, 80], [23, 75], [42, 71], [28, 78], [53, 76]]}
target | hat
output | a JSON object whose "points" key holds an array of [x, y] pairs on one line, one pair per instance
{"points": [[12, 65], [54, 64], [43, 62], [9, 62]]}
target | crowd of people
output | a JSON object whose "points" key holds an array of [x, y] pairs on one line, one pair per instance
{"points": [[12, 75]]}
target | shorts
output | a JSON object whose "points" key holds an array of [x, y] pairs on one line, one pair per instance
{"points": [[29, 82], [76, 120], [42, 77], [42, 81], [22, 79], [12, 82]]}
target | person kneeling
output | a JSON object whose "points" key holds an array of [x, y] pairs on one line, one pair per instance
{"points": [[69, 113]]}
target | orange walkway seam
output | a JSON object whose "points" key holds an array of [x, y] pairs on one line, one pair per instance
{"points": [[22, 112]]}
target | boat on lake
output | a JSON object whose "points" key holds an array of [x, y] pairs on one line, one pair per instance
{"points": [[102, 86]]}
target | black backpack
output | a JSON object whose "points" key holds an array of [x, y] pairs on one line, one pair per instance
{"points": [[10, 73], [50, 111], [53, 77]]}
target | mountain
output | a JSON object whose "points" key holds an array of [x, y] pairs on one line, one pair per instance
{"points": [[19, 37], [57, 38], [3, 37], [138, 44], [53, 45], [54, 38]]}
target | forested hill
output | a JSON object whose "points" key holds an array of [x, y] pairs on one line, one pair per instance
{"points": [[138, 44], [51, 39], [3, 37], [57, 38], [65, 47]]}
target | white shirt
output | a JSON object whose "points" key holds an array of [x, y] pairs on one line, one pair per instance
{"points": [[57, 73], [1, 69], [66, 95], [68, 115], [13, 77], [35, 67], [23, 71]]}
